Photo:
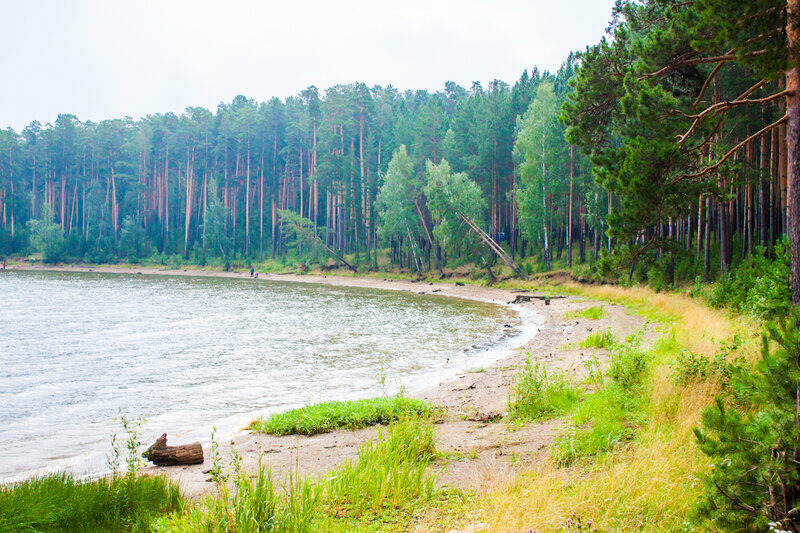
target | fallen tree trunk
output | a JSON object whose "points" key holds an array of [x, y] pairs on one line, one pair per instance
{"points": [[495, 247], [325, 246], [162, 455]]}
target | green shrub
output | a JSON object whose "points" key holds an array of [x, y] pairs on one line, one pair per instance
{"points": [[538, 394], [61, 503], [327, 416], [727, 363], [758, 286]]}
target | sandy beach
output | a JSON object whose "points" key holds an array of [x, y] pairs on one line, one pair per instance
{"points": [[478, 449]]}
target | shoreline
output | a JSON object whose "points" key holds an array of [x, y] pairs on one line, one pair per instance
{"points": [[484, 453]]}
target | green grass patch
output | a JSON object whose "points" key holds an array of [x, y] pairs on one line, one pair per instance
{"points": [[595, 312], [612, 413], [251, 506], [538, 394], [61, 503], [390, 471], [599, 339], [381, 490], [328, 416]]}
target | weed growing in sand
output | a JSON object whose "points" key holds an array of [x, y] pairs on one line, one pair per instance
{"points": [[323, 417], [540, 394], [599, 339], [595, 312], [129, 449], [387, 483], [217, 471], [390, 472], [612, 413]]}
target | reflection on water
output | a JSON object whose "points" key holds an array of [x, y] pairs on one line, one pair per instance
{"points": [[191, 352]]}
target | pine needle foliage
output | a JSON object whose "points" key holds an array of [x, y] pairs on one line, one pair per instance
{"points": [[752, 435]]}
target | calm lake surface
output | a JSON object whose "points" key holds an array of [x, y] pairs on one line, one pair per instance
{"points": [[192, 353]]}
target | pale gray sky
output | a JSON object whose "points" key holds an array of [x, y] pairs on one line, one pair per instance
{"points": [[105, 59]]}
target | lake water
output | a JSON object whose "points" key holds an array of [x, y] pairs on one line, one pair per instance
{"points": [[192, 353]]}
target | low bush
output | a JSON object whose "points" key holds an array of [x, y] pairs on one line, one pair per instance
{"points": [[759, 286]]}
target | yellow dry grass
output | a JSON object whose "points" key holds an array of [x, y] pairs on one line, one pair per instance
{"points": [[651, 484]]}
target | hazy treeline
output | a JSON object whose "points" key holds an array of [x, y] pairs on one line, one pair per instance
{"points": [[133, 188], [653, 146]]}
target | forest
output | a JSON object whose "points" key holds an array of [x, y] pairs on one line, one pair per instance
{"points": [[658, 154], [667, 154]]}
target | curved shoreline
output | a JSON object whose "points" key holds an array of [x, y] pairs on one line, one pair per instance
{"points": [[502, 344], [477, 454], [470, 292]]}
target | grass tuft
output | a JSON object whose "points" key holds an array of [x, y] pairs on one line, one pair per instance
{"points": [[599, 339], [390, 472], [252, 506], [383, 489], [328, 416], [59, 502], [595, 312]]}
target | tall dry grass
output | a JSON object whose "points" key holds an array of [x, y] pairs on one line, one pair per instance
{"points": [[650, 484]]}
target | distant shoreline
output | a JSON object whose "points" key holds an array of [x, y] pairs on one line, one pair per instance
{"points": [[467, 291]]}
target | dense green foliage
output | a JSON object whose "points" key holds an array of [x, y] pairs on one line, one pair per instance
{"points": [[62, 503], [758, 286], [327, 416], [681, 112], [751, 434], [208, 187], [675, 175]]}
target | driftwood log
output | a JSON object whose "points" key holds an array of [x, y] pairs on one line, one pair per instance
{"points": [[522, 298], [163, 455]]}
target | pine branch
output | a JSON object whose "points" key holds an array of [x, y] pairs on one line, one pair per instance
{"points": [[729, 153], [706, 84], [722, 107], [735, 501], [698, 61]]}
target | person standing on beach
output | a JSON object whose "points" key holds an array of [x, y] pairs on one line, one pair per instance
{"points": [[4, 264], [251, 271]]}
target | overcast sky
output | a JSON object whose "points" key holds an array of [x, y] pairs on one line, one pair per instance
{"points": [[103, 59]]}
